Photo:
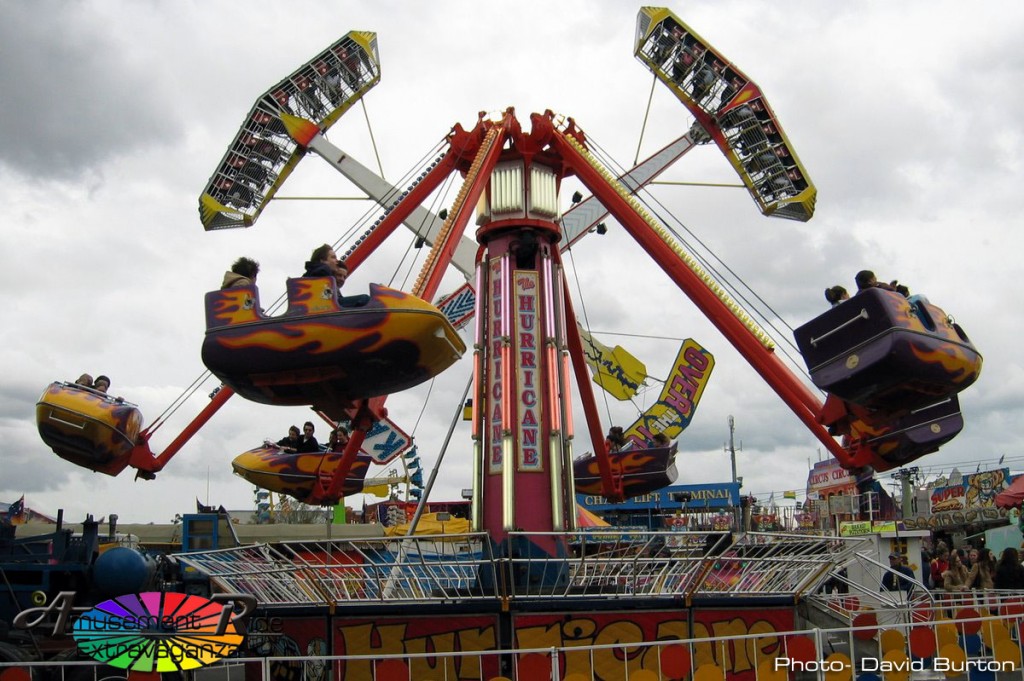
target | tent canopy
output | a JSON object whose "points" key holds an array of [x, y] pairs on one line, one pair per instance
{"points": [[1012, 496]]}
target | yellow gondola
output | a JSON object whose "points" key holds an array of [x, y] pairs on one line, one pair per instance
{"points": [[296, 473], [320, 353], [87, 427]]}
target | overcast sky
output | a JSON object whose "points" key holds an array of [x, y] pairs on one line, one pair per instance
{"points": [[114, 114]]}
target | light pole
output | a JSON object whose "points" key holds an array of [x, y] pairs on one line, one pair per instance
{"points": [[731, 448]]}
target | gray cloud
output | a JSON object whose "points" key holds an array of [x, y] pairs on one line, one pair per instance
{"points": [[73, 98]]}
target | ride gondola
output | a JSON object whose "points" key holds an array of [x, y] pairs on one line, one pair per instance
{"points": [[881, 350], [892, 367], [87, 427], [296, 473], [902, 437], [320, 353], [643, 470]]}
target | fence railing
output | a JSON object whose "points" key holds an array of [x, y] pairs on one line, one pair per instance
{"points": [[612, 563]]}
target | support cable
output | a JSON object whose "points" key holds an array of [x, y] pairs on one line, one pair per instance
{"points": [[643, 126]]}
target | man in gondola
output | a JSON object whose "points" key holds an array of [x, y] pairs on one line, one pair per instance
{"points": [[308, 443]]}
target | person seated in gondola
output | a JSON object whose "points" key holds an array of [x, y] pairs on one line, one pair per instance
{"points": [[101, 384], [615, 440], [85, 380], [339, 439], [660, 440], [836, 294], [866, 279], [242, 273], [291, 442], [324, 263], [308, 443], [705, 75], [733, 84], [669, 36], [233, 193]]}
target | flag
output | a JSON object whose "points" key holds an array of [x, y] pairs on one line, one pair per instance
{"points": [[789, 494], [614, 369], [16, 511]]}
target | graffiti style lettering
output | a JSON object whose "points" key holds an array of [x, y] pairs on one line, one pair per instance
{"points": [[676, 405], [739, 658], [419, 635]]}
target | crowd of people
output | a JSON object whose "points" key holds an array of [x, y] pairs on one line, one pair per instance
{"points": [[967, 568]]}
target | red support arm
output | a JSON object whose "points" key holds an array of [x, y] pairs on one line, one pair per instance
{"points": [[465, 204], [142, 456], [804, 403], [403, 209], [328, 486], [611, 481]]}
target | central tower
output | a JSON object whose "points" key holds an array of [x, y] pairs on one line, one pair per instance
{"points": [[522, 428]]}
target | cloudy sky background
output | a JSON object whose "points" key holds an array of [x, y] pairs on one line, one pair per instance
{"points": [[114, 115]]}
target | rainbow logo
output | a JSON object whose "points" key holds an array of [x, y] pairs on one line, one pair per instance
{"points": [[157, 632]]}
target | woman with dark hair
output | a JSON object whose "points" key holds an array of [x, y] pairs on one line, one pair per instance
{"points": [[615, 439], [242, 273], [836, 294], [323, 262], [1009, 573], [955, 578]]}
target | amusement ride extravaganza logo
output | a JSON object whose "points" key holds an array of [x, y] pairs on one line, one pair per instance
{"points": [[157, 632], [151, 631]]}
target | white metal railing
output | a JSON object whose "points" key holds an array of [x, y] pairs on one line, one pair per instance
{"points": [[613, 563], [354, 570]]}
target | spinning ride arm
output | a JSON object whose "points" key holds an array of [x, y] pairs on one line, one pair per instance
{"points": [[751, 342], [264, 152]]}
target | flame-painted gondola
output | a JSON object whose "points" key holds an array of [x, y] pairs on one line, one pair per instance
{"points": [[881, 350], [642, 470], [902, 438], [296, 473], [322, 354], [87, 427]]}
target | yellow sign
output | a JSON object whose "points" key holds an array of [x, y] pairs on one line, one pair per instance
{"points": [[618, 372], [854, 528], [674, 410]]}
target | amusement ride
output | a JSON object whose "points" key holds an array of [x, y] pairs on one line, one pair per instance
{"points": [[890, 367]]}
